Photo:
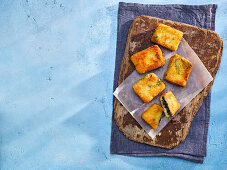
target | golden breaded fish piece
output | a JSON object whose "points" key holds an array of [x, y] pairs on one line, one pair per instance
{"points": [[178, 70], [153, 115], [169, 103], [148, 59], [148, 87], [167, 36]]}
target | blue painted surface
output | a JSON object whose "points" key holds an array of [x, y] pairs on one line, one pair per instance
{"points": [[56, 77]]}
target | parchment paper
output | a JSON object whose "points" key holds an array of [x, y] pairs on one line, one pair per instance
{"points": [[198, 80]]}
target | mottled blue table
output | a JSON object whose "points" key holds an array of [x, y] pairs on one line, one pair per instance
{"points": [[56, 82]]}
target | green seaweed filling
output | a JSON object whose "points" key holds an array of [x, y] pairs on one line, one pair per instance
{"points": [[164, 103]]}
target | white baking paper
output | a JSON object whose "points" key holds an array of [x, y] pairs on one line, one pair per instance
{"points": [[198, 80]]}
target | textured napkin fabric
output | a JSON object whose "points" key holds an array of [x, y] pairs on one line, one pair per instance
{"points": [[194, 147]]}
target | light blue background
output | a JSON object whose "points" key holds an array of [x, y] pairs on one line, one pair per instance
{"points": [[56, 77]]}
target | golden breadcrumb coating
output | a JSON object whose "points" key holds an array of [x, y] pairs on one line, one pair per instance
{"points": [[148, 59], [167, 36], [148, 87], [169, 103], [178, 70], [153, 115]]}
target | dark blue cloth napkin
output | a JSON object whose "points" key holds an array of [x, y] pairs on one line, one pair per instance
{"points": [[194, 147]]}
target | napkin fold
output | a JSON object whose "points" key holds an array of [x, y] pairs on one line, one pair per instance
{"points": [[194, 147]]}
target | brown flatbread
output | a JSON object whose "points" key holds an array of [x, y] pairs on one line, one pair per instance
{"points": [[207, 45]]}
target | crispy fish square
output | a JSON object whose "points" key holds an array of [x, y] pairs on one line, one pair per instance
{"points": [[153, 115], [148, 87], [167, 36], [148, 59], [169, 103], [178, 70]]}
